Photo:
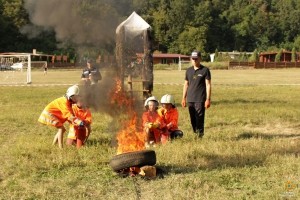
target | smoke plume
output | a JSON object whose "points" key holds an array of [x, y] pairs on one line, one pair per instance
{"points": [[81, 22], [85, 23]]}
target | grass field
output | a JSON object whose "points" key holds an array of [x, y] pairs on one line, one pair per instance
{"points": [[250, 149]]}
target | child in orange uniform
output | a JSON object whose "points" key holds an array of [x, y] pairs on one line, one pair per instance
{"points": [[78, 135], [57, 112], [152, 122], [169, 114]]}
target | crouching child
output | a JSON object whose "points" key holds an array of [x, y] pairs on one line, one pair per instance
{"points": [[169, 114], [78, 135], [152, 122], [58, 111]]}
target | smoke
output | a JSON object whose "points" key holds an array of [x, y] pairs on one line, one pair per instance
{"points": [[85, 23], [98, 96], [81, 22]]}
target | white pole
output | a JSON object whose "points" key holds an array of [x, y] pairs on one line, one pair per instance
{"points": [[179, 64], [29, 70]]}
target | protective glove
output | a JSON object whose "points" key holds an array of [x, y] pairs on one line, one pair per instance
{"points": [[78, 122], [155, 125], [149, 125]]}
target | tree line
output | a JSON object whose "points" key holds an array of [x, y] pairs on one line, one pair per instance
{"points": [[178, 26]]}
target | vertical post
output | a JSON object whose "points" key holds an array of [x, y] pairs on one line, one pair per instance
{"points": [[148, 66], [120, 40], [29, 69]]}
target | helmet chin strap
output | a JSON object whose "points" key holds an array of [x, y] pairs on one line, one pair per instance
{"points": [[71, 99]]}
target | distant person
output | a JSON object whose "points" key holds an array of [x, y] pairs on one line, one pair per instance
{"points": [[78, 135], [91, 75], [151, 122], [169, 115], [45, 69], [57, 112], [197, 92]]}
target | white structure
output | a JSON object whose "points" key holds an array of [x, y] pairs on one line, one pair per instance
{"points": [[134, 25], [9, 59], [232, 54]]}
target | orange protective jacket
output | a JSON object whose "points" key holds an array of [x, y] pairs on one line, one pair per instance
{"points": [[151, 117], [170, 118], [57, 112], [84, 114]]}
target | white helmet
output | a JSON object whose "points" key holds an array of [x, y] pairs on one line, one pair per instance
{"points": [[152, 98], [73, 90], [167, 98]]}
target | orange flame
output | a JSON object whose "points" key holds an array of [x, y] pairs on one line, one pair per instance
{"points": [[129, 138]]}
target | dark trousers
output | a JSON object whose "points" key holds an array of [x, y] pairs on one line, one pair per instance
{"points": [[197, 114]]}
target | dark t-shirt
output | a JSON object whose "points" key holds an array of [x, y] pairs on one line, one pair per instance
{"points": [[197, 87], [94, 72]]}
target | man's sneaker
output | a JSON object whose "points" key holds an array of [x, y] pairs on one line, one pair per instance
{"points": [[199, 135]]}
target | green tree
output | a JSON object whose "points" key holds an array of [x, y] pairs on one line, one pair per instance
{"points": [[178, 26], [297, 43], [13, 18], [219, 34], [196, 40], [278, 56], [294, 55], [254, 57], [216, 58], [287, 13]]}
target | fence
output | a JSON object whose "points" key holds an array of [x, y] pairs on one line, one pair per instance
{"points": [[262, 65]]}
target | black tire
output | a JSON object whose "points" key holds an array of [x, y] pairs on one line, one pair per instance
{"points": [[133, 159]]}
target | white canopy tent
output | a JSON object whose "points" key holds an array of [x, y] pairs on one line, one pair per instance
{"points": [[134, 25]]}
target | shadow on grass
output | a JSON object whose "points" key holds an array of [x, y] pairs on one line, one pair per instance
{"points": [[198, 160], [213, 161], [250, 135], [237, 101], [244, 101], [99, 142]]}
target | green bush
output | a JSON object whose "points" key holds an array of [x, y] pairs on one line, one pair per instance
{"points": [[216, 65], [184, 66]]}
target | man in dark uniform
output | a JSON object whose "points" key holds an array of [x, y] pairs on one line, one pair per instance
{"points": [[197, 92], [90, 77], [90, 74]]}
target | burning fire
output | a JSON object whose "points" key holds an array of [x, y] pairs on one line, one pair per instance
{"points": [[130, 138]]}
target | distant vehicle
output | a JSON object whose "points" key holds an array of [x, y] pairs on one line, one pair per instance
{"points": [[18, 66], [5, 68]]}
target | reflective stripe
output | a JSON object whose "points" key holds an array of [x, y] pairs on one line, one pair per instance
{"points": [[45, 112], [45, 120], [49, 119]]}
